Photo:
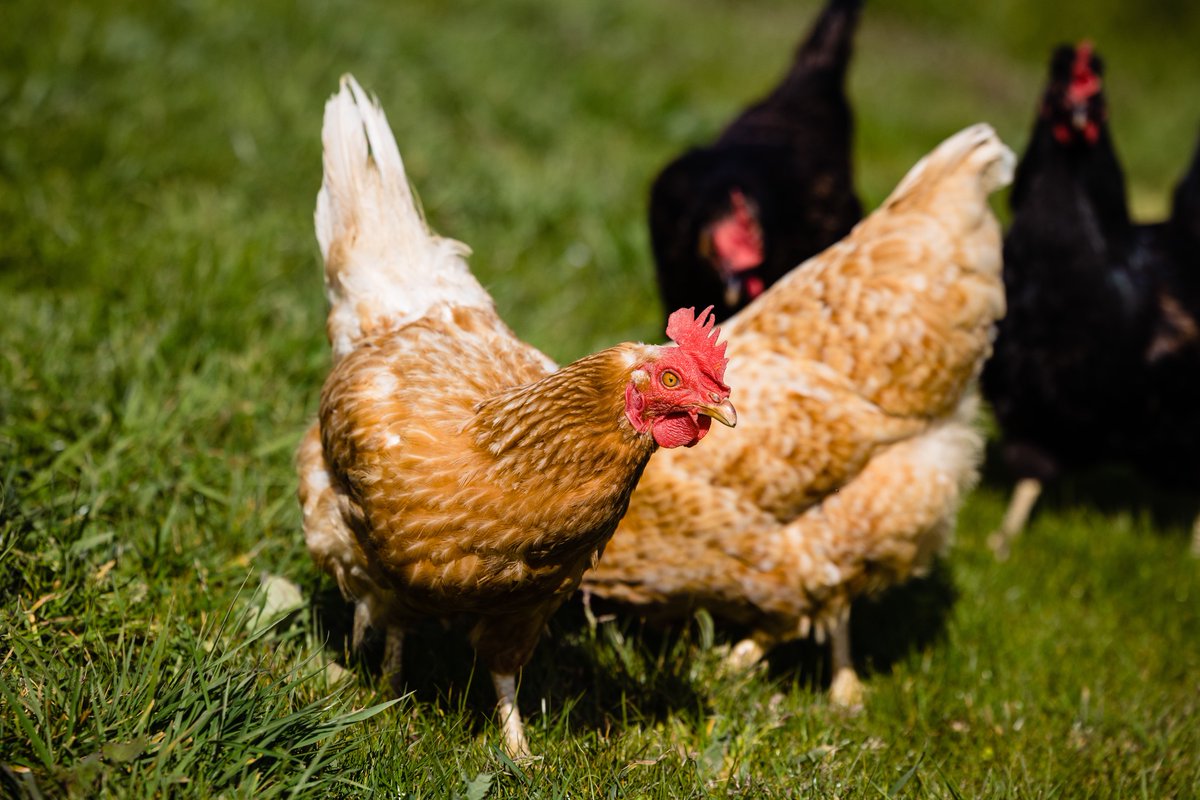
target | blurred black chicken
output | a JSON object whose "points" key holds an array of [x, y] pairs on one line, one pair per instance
{"points": [[730, 219], [1098, 358]]}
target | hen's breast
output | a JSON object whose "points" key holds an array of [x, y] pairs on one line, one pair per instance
{"points": [[479, 481], [423, 504]]}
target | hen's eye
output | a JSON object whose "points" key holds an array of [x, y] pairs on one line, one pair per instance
{"points": [[669, 379]]}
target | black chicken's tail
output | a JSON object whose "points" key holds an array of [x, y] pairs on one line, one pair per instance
{"points": [[829, 43], [811, 98]]}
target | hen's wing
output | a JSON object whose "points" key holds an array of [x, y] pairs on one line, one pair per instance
{"points": [[812, 431], [419, 493]]}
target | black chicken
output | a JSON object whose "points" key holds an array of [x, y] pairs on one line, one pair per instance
{"points": [[1098, 358], [730, 219], [1185, 218]]}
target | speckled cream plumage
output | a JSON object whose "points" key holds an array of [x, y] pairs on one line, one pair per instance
{"points": [[453, 472], [856, 382]]}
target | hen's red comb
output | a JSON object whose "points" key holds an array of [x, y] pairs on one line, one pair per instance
{"points": [[699, 336], [1084, 82], [1083, 59]]}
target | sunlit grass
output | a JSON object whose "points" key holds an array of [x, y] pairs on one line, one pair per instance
{"points": [[163, 343]]}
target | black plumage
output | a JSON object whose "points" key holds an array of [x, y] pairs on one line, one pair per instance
{"points": [[730, 219], [1098, 357]]}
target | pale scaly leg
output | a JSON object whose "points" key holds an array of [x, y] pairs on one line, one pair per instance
{"points": [[1024, 496], [1196, 537], [587, 609], [846, 690], [515, 744], [393, 651], [744, 655], [362, 621]]}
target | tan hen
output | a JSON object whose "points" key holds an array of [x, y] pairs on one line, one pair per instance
{"points": [[856, 376], [452, 472]]}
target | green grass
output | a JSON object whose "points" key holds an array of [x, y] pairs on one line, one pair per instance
{"points": [[163, 345]]}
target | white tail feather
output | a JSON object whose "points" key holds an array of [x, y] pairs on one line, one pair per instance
{"points": [[383, 266], [990, 159]]}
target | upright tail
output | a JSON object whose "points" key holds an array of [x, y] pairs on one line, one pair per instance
{"points": [[831, 39], [383, 266], [974, 152], [808, 107]]}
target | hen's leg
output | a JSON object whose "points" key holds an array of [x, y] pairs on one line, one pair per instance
{"points": [[515, 743], [1024, 496], [749, 651], [505, 645], [744, 655], [846, 690], [362, 621], [393, 650]]}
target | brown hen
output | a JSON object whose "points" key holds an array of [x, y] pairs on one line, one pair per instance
{"points": [[452, 472], [856, 376]]}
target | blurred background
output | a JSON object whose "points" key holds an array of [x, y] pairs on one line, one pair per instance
{"points": [[531, 129]]}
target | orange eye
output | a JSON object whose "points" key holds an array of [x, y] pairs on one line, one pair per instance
{"points": [[669, 379]]}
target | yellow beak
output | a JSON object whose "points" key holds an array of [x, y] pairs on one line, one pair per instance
{"points": [[723, 413]]}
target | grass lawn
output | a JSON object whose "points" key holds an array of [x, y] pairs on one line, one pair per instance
{"points": [[163, 345]]}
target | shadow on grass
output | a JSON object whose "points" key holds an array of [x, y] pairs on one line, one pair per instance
{"points": [[439, 665], [883, 631], [1110, 489], [626, 671], [619, 673], [605, 681]]}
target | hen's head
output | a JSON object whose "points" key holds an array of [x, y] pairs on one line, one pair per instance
{"points": [[677, 394], [1074, 103], [733, 243]]}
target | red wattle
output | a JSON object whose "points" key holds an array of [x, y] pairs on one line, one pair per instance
{"points": [[680, 430], [737, 239]]}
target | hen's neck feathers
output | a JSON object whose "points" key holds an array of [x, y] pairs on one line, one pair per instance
{"points": [[571, 417], [1094, 169]]}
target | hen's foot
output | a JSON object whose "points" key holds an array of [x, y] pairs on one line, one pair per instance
{"points": [[516, 746], [744, 656], [847, 690]]}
